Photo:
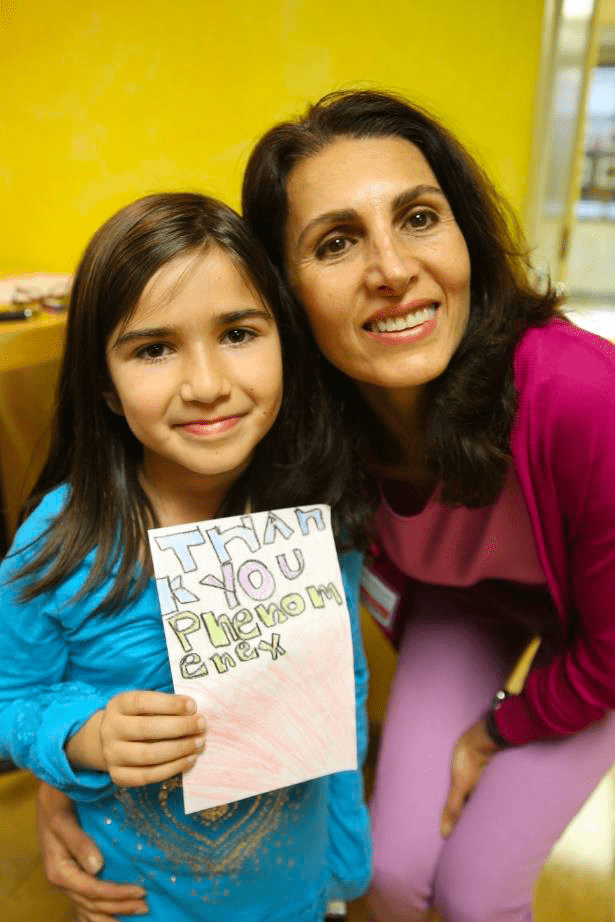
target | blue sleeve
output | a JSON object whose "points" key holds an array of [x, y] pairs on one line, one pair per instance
{"points": [[39, 711], [350, 849]]}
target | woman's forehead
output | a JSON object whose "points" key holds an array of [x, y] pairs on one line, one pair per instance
{"points": [[352, 173]]}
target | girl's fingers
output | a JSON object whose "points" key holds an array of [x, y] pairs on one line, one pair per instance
{"points": [[128, 777], [158, 753], [159, 727], [148, 702]]}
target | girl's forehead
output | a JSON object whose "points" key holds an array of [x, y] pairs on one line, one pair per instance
{"points": [[204, 281], [173, 276]]}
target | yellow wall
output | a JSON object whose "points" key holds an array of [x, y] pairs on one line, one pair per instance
{"points": [[104, 100]]}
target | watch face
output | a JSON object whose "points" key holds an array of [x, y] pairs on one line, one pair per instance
{"points": [[500, 696]]}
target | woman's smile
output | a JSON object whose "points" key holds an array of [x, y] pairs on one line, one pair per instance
{"points": [[403, 318]]}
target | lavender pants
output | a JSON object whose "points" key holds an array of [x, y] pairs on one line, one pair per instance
{"points": [[454, 655]]}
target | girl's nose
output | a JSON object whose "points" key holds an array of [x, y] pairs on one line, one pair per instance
{"points": [[390, 265], [204, 379]]}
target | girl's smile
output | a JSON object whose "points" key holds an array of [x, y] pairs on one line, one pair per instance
{"points": [[197, 373], [210, 427]]}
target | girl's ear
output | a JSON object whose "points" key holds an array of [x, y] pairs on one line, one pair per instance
{"points": [[113, 401]]}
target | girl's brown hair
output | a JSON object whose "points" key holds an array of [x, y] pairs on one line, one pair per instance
{"points": [[304, 458]]}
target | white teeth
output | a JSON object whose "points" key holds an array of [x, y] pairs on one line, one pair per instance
{"points": [[397, 324]]}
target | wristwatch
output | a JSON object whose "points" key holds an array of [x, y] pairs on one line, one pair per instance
{"points": [[491, 726]]}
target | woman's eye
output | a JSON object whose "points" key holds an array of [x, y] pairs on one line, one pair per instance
{"points": [[152, 351], [422, 218], [238, 336], [333, 246]]}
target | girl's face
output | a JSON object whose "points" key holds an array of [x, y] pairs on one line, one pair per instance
{"points": [[375, 256], [197, 371]]}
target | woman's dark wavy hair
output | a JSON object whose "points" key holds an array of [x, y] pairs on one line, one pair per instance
{"points": [[469, 409], [303, 459]]}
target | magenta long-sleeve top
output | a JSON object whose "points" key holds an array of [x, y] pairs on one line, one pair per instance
{"points": [[561, 493]]}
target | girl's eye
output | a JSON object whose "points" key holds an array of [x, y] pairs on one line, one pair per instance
{"points": [[238, 336], [422, 218], [333, 246], [152, 352]]}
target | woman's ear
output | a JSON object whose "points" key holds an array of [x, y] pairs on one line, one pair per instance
{"points": [[113, 401]]}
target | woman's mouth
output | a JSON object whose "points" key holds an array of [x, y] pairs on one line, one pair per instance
{"points": [[401, 322]]}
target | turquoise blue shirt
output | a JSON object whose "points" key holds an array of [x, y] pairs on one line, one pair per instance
{"points": [[277, 857]]}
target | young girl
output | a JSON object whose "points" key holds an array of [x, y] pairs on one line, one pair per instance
{"points": [[170, 410]]}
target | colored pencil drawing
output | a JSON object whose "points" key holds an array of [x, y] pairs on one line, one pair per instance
{"points": [[258, 633]]}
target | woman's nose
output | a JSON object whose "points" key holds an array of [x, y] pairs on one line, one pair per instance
{"points": [[390, 264], [204, 379]]}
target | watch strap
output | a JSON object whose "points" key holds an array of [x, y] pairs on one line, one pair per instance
{"points": [[491, 726]]}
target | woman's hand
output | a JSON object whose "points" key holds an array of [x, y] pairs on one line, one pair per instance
{"points": [[141, 737], [472, 752], [71, 859]]}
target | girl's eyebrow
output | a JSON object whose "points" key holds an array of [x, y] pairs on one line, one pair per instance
{"points": [[220, 320], [349, 215]]}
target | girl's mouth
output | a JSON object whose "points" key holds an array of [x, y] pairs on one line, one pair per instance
{"points": [[211, 426], [403, 321]]}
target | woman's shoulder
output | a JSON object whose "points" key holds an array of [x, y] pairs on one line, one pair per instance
{"points": [[565, 360], [565, 383]]}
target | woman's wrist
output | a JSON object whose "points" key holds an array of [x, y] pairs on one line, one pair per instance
{"points": [[493, 731]]}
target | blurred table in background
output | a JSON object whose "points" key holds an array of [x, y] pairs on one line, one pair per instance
{"points": [[30, 352]]}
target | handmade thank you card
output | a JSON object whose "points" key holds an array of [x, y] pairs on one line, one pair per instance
{"points": [[258, 633]]}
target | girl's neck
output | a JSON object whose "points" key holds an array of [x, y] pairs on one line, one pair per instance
{"points": [[178, 503]]}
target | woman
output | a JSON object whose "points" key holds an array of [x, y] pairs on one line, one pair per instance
{"points": [[489, 423]]}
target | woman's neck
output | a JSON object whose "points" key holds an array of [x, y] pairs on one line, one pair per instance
{"points": [[399, 445]]}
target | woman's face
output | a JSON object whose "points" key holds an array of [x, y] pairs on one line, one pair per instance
{"points": [[374, 254]]}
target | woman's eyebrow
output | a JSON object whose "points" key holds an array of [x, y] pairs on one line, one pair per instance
{"points": [[410, 195], [344, 216], [349, 215]]}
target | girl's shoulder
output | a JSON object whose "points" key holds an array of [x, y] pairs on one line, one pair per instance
{"points": [[41, 517], [32, 530]]}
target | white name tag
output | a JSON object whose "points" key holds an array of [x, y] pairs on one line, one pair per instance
{"points": [[380, 599]]}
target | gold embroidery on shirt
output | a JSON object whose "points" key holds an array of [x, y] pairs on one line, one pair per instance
{"points": [[209, 843]]}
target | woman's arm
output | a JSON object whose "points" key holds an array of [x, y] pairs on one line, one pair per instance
{"points": [[473, 751], [71, 860], [564, 451]]}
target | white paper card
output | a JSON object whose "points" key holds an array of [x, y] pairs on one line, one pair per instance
{"points": [[258, 633]]}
